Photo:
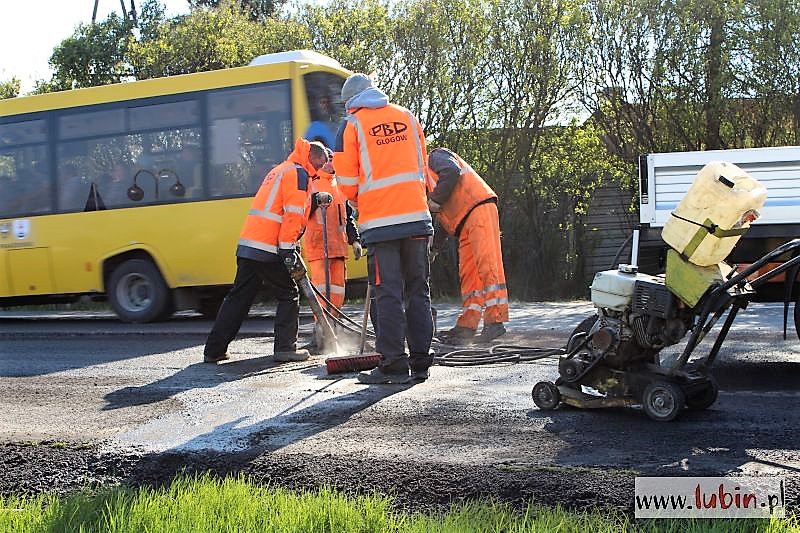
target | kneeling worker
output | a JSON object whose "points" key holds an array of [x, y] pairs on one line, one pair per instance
{"points": [[466, 207], [266, 254]]}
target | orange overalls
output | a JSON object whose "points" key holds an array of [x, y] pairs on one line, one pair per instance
{"points": [[313, 241], [469, 211]]}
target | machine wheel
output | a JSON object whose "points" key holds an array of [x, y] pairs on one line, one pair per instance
{"points": [[704, 398], [138, 293], [546, 396], [663, 400]]}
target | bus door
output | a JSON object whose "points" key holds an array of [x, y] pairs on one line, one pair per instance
{"points": [[29, 267]]}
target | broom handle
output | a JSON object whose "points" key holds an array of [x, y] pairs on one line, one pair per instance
{"points": [[367, 300]]}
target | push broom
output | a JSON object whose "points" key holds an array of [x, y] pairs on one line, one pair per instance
{"points": [[340, 364]]}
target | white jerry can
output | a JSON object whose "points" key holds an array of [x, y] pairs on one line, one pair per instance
{"points": [[715, 212]]}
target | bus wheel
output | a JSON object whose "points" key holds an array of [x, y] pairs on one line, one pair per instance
{"points": [[138, 293]]}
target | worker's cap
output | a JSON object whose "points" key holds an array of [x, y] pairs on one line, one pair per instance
{"points": [[354, 85]]}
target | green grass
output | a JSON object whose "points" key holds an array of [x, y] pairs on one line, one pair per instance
{"points": [[208, 504]]}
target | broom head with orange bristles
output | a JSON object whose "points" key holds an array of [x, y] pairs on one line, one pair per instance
{"points": [[340, 364]]}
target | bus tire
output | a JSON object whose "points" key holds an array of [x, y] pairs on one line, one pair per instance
{"points": [[137, 292]]}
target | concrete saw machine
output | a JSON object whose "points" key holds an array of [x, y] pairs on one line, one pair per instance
{"points": [[614, 358]]}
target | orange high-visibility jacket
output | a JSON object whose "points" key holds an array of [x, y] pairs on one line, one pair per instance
{"points": [[279, 212], [313, 241], [459, 189], [382, 167]]}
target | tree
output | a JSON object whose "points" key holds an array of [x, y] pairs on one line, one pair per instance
{"points": [[210, 40], [94, 55], [255, 10], [358, 34], [10, 88]]}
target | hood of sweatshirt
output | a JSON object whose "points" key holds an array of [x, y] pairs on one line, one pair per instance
{"points": [[371, 97]]}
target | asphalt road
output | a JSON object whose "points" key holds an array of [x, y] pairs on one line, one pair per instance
{"points": [[143, 389]]}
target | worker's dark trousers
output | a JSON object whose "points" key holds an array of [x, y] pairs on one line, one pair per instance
{"points": [[399, 271], [251, 276]]}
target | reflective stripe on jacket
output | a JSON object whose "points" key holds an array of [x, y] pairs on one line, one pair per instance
{"points": [[382, 167], [279, 211], [459, 189]]}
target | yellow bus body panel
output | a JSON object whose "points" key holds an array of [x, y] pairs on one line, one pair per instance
{"points": [[192, 243]]}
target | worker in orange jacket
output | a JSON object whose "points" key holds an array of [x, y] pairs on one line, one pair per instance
{"points": [[267, 253], [380, 165], [466, 207], [341, 232]]}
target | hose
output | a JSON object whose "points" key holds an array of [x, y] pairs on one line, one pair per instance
{"points": [[500, 353], [448, 355], [337, 315]]}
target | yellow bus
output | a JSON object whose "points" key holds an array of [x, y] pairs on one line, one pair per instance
{"points": [[136, 192]]}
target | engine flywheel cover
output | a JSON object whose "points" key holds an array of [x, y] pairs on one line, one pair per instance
{"points": [[604, 338]]}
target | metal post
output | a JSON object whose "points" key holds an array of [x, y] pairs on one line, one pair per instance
{"points": [[324, 200], [635, 248]]}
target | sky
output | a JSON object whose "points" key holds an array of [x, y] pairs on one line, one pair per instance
{"points": [[30, 29]]}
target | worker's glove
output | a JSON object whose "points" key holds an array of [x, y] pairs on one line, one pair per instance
{"points": [[289, 258], [358, 251], [433, 207], [324, 199]]}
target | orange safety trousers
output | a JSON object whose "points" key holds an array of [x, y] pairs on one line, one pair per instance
{"points": [[480, 267], [337, 278]]}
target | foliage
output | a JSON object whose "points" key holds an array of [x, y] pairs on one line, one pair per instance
{"points": [[255, 10], [94, 55], [10, 88], [358, 34], [210, 40]]}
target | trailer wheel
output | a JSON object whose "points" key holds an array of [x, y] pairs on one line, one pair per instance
{"points": [[546, 396], [663, 400], [138, 293], [704, 398]]}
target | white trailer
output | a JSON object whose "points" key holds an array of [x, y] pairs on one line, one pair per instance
{"points": [[664, 179]]}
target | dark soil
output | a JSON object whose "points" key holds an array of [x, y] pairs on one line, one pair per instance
{"points": [[30, 469]]}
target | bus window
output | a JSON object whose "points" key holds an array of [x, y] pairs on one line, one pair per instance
{"points": [[88, 141], [91, 124], [97, 149], [325, 107], [172, 151], [24, 175], [250, 133]]}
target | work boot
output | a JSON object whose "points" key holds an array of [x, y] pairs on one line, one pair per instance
{"points": [[456, 335], [419, 375], [379, 377], [207, 358], [420, 363], [491, 331], [296, 355], [312, 347]]}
